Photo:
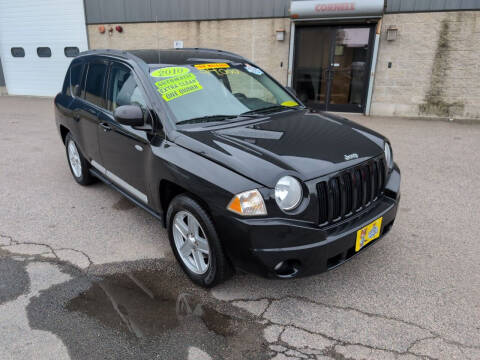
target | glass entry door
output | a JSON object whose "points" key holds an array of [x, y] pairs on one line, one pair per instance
{"points": [[331, 66]]}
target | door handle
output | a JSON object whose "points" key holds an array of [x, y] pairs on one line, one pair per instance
{"points": [[105, 127]]}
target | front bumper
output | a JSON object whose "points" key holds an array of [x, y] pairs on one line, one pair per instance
{"points": [[259, 245]]}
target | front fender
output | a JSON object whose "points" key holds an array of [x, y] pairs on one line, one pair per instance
{"points": [[214, 184]]}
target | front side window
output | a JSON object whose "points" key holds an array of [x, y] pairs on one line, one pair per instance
{"points": [[123, 88], [211, 89], [94, 86]]}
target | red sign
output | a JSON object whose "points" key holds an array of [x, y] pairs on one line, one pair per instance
{"points": [[348, 6]]}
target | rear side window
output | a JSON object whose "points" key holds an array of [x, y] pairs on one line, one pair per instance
{"points": [[73, 80], [95, 84], [17, 52], [44, 51]]}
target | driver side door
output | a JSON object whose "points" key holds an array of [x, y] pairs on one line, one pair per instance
{"points": [[124, 150]]}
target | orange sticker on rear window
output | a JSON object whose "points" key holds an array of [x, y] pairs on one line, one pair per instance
{"points": [[212, 66]]}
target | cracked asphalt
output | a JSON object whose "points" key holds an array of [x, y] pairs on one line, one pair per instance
{"points": [[84, 274]]}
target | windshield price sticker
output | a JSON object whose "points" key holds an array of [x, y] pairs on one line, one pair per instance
{"points": [[170, 71], [212, 66], [178, 86]]}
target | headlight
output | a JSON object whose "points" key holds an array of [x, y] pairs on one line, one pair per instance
{"points": [[388, 156], [288, 193], [248, 203]]}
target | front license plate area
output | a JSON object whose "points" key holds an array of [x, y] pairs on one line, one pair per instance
{"points": [[368, 233]]}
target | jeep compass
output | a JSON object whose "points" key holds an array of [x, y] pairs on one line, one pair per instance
{"points": [[239, 171]]}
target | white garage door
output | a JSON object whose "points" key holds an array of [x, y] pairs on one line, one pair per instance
{"points": [[35, 36]]}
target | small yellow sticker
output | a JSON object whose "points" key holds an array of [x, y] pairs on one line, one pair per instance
{"points": [[170, 71], [289, 103], [212, 66], [177, 86]]}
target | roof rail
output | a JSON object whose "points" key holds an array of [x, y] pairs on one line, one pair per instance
{"points": [[105, 51]]}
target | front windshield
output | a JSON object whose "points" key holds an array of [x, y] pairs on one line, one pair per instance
{"points": [[217, 90]]}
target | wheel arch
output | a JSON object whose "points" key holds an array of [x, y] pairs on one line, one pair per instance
{"points": [[168, 190]]}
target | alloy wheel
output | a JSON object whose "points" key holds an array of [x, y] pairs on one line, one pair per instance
{"points": [[191, 242], [74, 159]]}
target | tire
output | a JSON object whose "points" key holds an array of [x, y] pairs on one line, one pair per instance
{"points": [[77, 163], [217, 267]]}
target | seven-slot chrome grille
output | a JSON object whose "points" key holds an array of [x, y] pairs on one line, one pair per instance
{"points": [[350, 191]]}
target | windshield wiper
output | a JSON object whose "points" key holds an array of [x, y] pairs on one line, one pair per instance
{"points": [[211, 118], [208, 118], [267, 109]]}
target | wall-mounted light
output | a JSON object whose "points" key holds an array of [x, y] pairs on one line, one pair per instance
{"points": [[280, 35], [119, 28], [101, 29], [392, 32]]}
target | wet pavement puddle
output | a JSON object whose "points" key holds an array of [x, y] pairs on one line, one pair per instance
{"points": [[149, 314], [133, 303]]}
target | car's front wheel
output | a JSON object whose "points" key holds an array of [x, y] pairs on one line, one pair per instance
{"points": [[78, 165], [195, 242]]}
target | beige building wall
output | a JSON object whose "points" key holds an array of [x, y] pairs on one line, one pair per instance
{"points": [[435, 68], [254, 39]]}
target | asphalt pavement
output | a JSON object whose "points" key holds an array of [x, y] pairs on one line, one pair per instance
{"points": [[85, 274]]}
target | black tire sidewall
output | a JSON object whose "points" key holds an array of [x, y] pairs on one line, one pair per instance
{"points": [[214, 273]]}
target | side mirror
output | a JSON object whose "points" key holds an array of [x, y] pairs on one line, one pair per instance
{"points": [[131, 115], [292, 90]]}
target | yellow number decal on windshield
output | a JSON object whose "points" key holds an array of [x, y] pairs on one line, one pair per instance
{"points": [[170, 71]]}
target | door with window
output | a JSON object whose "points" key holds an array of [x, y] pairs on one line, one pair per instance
{"points": [[332, 66], [123, 148], [87, 87]]}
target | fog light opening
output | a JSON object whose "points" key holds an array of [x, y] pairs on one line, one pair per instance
{"points": [[287, 269]]}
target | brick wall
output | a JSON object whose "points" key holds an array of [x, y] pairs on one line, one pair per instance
{"points": [[435, 69], [254, 39]]}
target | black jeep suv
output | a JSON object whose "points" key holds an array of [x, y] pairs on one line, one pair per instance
{"points": [[239, 171]]}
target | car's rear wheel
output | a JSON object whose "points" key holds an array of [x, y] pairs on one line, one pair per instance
{"points": [[78, 165], [195, 242]]}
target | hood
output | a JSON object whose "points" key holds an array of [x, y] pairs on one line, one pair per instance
{"points": [[301, 143]]}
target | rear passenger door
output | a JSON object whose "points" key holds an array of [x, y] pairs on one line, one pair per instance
{"points": [[87, 108], [124, 149]]}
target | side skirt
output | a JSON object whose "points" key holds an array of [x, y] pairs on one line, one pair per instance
{"points": [[140, 204]]}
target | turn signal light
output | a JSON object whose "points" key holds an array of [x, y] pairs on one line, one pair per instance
{"points": [[248, 203]]}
